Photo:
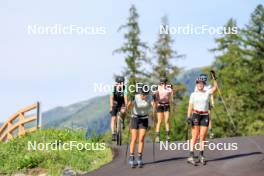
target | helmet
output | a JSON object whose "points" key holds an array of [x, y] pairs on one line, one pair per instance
{"points": [[200, 79], [144, 90], [120, 79], [163, 80], [204, 76]]}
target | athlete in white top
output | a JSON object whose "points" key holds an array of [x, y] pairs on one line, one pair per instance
{"points": [[211, 105], [198, 115]]}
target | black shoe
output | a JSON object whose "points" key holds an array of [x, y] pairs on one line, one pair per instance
{"points": [[114, 137]]}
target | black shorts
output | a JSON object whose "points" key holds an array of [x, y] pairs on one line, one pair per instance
{"points": [[139, 123], [200, 120], [116, 109], [163, 107]]}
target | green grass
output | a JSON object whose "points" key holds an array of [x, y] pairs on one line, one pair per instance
{"points": [[15, 156]]}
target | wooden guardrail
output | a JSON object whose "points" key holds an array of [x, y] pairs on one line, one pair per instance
{"points": [[17, 123]]}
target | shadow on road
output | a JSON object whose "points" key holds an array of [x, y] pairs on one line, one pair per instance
{"points": [[216, 159], [235, 156], [166, 160]]}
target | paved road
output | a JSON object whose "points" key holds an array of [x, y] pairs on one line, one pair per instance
{"points": [[248, 160]]}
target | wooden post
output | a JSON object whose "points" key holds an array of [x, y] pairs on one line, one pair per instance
{"points": [[21, 131], [38, 116], [9, 135]]}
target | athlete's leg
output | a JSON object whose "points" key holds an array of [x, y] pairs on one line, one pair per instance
{"points": [[113, 124], [160, 117], [167, 120], [195, 134], [203, 130], [167, 124], [142, 133], [134, 136]]}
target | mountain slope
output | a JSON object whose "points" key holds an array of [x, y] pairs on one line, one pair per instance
{"points": [[92, 113]]}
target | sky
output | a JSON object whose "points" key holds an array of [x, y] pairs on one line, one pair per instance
{"points": [[59, 70]]}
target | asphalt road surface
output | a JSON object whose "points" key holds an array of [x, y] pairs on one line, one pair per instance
{"points": [[247, 160]]}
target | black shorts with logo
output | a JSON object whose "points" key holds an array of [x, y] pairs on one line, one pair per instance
{"points": [[139, 123], [200, 119], [163, 107]]}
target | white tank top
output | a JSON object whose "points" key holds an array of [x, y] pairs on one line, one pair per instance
{"points": [[200, 100]]}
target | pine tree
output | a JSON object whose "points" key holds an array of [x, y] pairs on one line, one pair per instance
{"points": [[253, 39], [164, 55], [240, 69], [229, 65], [134, 49]]}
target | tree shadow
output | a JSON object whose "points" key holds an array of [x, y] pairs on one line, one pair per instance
{"points": [[235, 156]]}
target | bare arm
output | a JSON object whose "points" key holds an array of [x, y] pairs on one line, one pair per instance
{"points": [[111, 102], [212, 99], [126, 101], [214, 88]]}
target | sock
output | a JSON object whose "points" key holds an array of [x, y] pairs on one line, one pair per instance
{"points": [[140, 156], [191, 153], [201, 153], [132, 156]]}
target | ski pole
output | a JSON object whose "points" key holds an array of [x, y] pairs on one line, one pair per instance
{"points": [[153, 138], [129, 128], [223, 101], [172, 112], [187, 133], [227, 111]]}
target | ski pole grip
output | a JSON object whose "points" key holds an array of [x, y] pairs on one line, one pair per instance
{"points": [[213, 74]]}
